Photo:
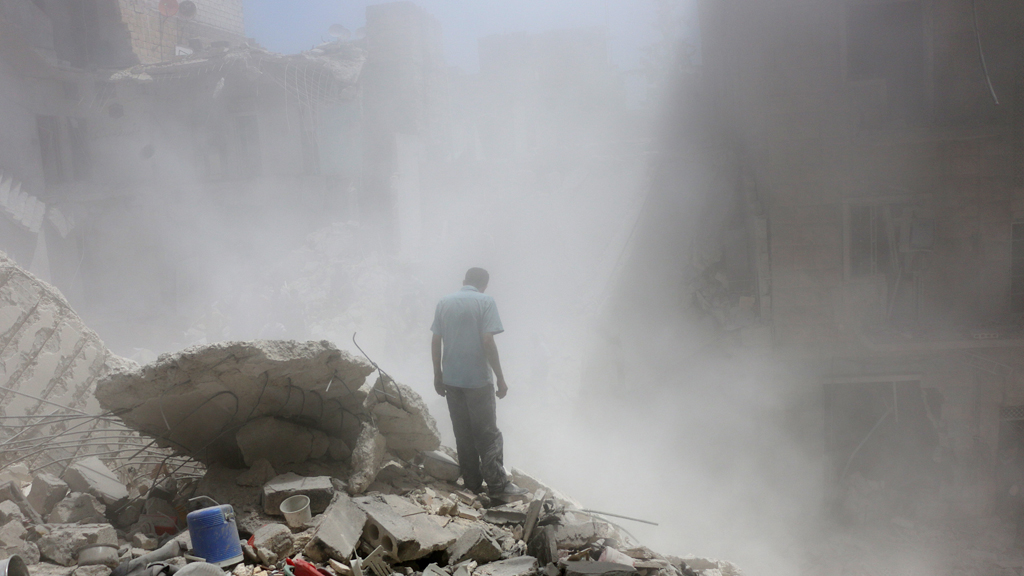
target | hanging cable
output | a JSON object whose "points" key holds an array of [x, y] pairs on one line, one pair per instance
{"points": [[981, 52]]}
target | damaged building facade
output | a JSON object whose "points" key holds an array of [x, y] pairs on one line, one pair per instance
{"points": [[872, 159]]}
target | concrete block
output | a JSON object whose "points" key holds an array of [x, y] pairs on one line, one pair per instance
{"points": [[401, 527], [519, 566], [319, 489], [78, 507], [339, 531], [16, 472], [47, 490], [277, 538], [92, 476], [585, 568], [63, 540], [474, 544]]}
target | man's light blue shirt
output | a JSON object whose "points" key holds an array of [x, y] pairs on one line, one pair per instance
{"points": [[461, 319]]}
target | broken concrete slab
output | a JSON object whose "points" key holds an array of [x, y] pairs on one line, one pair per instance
{"points": [[575, 534], [258, 474], [474, 544], [10, 511], [403, 529], [78, 507], [402, 417], [92, 476], [367, 458], [47, 490], [319, 489], [144, 541], [338, 532], [204, 390], [63, 540], [519, 566], [277, 538], [18, 473], [588, 568], [9, 491], [441, 466], [14, 540]]}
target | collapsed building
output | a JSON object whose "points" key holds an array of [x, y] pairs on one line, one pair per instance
{"points": [[252, 425]]}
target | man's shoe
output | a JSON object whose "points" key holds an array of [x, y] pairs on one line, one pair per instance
{"points": [[508, 493]]}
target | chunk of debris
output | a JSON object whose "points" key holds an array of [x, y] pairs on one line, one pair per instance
{"points": [[204, 390], [78, 507], [9, 511], [441, 466], [9, 491], [91, 475], [47, 490], [367, 457], [339, 531], [402, 417], [63, 540], [319, 489], [13, 540], [519, 566], [474, 544], [404, 530], [276, 538], [144, 541], [587, 568]]}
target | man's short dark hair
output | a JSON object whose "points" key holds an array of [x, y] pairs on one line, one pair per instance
{"points": [[477, 277]]}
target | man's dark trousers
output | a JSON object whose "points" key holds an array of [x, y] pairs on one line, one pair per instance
{"points": [[477, 438]]}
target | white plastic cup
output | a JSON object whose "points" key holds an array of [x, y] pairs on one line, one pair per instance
{"points": [[296, 511]]}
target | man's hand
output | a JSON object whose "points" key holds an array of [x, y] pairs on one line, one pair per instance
{"points": [[439, 385], [435, 357], [502, 388]]}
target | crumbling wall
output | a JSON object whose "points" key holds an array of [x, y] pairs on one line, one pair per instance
{"points": [[49, 360]]}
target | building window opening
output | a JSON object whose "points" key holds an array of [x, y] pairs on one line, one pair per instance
{"points": [[885, 41]]}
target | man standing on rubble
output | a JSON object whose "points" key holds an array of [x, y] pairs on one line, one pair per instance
{"points": [[464, 355]]}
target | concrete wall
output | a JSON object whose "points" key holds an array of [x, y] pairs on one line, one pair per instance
{"points": [[155, 37]]}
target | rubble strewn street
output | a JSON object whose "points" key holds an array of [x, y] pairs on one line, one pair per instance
{"points": [[387, 502]]}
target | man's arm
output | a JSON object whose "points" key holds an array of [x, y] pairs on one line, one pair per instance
{"points": [[435, 354], [491, 350]]}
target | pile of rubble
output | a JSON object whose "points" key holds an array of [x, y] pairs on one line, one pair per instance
{"points": [[260, 422]]}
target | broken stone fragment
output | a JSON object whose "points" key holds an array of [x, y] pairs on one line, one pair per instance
{"points": [[585, 568], [144, 541], [95, 570], [402, 417], [573, 535], [258, 474], [13, 540], [9, 491], [367, 457], [319, 489], [17, 473], [520, 566], [9, 511], [78, 507], [92, 476], [277, 538], [47, 490], [474, 544], [63, 540], [339, 531]]}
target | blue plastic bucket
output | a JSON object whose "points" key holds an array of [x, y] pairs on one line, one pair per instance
{"points": [[215, 536]]}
